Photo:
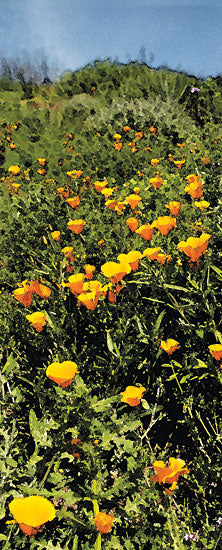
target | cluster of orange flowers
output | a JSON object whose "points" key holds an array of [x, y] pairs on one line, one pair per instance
{"points": [[25, 292], [194, 247], [32, 512], [194, 186], [169, 474], [118, 145]]}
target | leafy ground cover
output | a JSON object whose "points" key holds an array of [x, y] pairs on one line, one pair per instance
{"points": [[111, 299]]}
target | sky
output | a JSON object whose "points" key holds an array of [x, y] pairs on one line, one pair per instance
{"points": [[184, 35]]}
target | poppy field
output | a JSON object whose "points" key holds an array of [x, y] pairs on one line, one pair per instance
{"points": [[110, 293]]}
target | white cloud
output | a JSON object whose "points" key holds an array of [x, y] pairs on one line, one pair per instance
{"points": [[47, 28]]}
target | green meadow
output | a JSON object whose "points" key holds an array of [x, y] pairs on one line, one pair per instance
{"points": [[110, 294]]}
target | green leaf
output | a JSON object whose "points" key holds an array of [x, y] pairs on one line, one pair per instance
{"points": [[217, 270], [131, 464], [201, 365], [39, 429], [184, 378], [145, 405], [158, 322], [11, 462], [110, 343], [10, 364], [175, 287]]}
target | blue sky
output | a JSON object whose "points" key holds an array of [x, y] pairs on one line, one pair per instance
{"points": [[182, 34]]}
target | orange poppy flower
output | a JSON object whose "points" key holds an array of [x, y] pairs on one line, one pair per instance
{"points": [[31, 512], [76, 226], [126, 128], [216, 351], [118, 146], [40, 289], [137, 189], [111, 204], [156, 182], [154, 162], [120, 205], [73, 202], [164, 224], [26, 174], [145, 231], [174, 207], [112, 296], [153, 130], [194, 247], [62, 192], [151, 253], [37, 320], [169, 474], [133, 201], [89, 299], [179, 163], [132, 395], [100, 185], [107, 192], [181, 145], [73, 174], [132, 258], [14, 170], [138, 135], [194, 188], [56, 235], [68, 251], [162, 258], [117, 136], [170, 345], [89, 269], [41, 171], [42, 162], [132, 223], [132, 145], [103, 522], [76, 283], [23, 295], [115, 271], [12, 146], [205, 160], [62, 373], [201, 205]]}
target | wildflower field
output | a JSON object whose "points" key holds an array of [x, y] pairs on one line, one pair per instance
{"points": [[110, 293]]}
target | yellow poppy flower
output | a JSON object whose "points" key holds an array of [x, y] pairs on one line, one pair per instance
{"points": [[132, 395], [37, 320], [32, 512], [170, 345], [14, 170], [62, 373]]}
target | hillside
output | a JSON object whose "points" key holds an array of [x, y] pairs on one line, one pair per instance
{"points": [[110, 292]]}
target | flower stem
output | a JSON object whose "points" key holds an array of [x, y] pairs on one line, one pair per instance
{"points": [[98, 543]]}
